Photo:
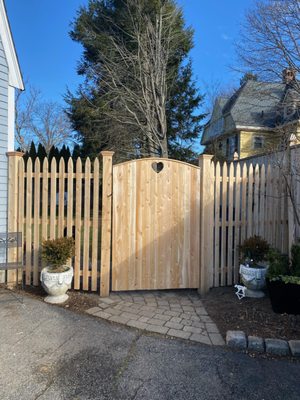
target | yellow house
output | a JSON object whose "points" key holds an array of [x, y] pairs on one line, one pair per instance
{"points": [[251, 121]]}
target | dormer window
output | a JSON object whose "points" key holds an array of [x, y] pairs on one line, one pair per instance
{"points": [[289, 111], [258, 142]]}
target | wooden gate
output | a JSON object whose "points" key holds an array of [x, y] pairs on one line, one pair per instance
{"points": [[156, 225]]}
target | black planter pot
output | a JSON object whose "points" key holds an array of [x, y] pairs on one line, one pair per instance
{"points": [[285, 297]]}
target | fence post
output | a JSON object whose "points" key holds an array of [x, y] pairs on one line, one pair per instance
{"points": [[106, 222], [291, 199], [206, 222], [12, 214]]}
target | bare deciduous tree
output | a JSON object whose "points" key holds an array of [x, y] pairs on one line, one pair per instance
{"points": [[50, 125], [270, 38], [40, 121], [270, 45], [134, 74], [25, 104]]}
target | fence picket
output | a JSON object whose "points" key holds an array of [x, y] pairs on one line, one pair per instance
{"points": [[268, 209], [86, 223], [262, 198], [237, 221], [256, 189], [36, 223], [45, 198], [230, 224], [77, 260], [244, 202], [250, 201], [217, 226], [70, 189], [95, 238], [61, 198], [28, 231], [52, 222], [224, 223]]}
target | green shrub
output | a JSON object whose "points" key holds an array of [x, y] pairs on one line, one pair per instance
{"points": [[56, 252], [291, 279], [278, 264], [254, 248], [295, 260]]}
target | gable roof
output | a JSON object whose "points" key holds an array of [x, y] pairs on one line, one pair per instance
{"points": [[253, 105], [15, 76]]}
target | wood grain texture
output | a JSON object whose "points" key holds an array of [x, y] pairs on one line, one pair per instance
{"points": [[155, 227], [70, 199], [237, 222], [53, 189], [224, 224], [229, 262], [36, 222], [61, 198], [176, 228], [45, 197], [78, 199], [106, 224], [86, 223], [217, 225], [28, 231], [95, 224], [12, 216]]}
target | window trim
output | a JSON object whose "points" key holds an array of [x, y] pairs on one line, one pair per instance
{"points": [[261, 138]]}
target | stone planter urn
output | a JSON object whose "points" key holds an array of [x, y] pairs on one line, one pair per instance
{"points": [[56, 284], [254, 278]]}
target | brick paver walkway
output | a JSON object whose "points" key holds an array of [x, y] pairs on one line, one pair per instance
{"points": [[175, 313]]}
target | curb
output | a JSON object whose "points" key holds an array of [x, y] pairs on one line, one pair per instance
{"points": [[278, 347]]}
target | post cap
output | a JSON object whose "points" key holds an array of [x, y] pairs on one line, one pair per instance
{"points": [[15, 154], [107, 153]]}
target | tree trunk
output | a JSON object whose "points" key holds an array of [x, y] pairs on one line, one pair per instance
{"points": [[164, 148]]}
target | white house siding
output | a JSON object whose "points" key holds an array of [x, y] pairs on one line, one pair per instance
{"points": [[3, 137]]}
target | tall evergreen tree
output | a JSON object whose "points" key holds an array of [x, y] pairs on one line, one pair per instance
{"points": [[76, 152], [65, 153], [41, 152], [54, 152], [32, 152], [138, 86]]}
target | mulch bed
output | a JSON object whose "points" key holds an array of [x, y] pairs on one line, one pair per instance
{"points": [[78, 301], [253, 316]]}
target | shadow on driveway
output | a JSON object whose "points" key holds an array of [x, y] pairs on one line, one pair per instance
{"points": [[52, 353]]}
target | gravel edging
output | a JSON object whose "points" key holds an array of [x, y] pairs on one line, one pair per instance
{"points": [[278, 347]]}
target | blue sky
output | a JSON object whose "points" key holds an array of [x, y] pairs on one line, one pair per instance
{"points": [[48, 57]]}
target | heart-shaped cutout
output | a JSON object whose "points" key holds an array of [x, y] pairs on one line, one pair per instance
{"points": [[157, 167]]}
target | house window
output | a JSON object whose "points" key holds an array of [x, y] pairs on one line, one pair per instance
{"points": [[231, 146], [258, 142]]}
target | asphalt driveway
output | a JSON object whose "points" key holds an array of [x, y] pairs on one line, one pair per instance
{"points": [[52, 353]]}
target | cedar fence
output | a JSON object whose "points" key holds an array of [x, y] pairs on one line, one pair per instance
{"points": [[236, 201]]}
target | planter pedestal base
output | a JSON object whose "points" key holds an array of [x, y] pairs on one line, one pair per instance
{"points": [[56, 299], [256, 294]]}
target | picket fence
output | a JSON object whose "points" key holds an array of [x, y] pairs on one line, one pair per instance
{"points": [[246, 201], [73, 199]]}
